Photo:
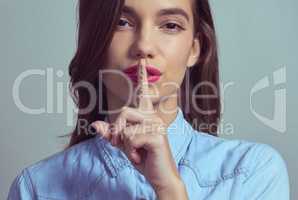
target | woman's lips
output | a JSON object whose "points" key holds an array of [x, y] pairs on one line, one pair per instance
{"points": [[151, 79], [153, 73]]}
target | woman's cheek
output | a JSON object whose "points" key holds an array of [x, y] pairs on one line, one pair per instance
{"points": [[116, 52]]}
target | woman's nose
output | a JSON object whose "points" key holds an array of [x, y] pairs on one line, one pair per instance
{"points": [[143, 46]]}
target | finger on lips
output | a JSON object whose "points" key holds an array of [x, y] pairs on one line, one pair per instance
{"points": [[144, 101], [128, 123]]}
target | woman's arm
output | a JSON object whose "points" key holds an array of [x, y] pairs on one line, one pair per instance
{"points": [[21, 188], [268, 178], [175, 192]]}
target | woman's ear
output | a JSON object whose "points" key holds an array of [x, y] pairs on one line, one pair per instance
{"points": [[194, 53]]}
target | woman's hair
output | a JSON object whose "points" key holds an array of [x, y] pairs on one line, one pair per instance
{"points": [[96, 25]]}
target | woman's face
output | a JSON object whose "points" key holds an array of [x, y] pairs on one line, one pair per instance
{"points": [[161, 32]]}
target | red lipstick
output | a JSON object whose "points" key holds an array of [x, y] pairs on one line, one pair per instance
{"points": [[153, 73]]}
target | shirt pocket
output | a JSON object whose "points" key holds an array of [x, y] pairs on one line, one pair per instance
{"points": [[221, 184], [213, 178]]}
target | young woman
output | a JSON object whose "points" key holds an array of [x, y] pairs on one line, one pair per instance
{"points": [[170, 150]]}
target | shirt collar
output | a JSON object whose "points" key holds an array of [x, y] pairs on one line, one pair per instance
{"points": [[179, 135]]}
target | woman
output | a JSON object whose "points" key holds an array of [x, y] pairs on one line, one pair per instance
{"points": [[146, 134]]}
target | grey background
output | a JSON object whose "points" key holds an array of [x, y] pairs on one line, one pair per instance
{"points": [[255, 39]]}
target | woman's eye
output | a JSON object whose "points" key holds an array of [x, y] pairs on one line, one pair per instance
{"points": [[123, 23], [173, 27]]}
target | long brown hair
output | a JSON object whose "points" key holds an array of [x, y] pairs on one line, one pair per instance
{"points": [[96, 23]]}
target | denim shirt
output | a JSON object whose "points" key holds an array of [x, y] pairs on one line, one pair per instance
{"points": [[210, 167]]}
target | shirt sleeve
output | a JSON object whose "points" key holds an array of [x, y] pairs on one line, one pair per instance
{"points": [[269, 177], [21, 188]]}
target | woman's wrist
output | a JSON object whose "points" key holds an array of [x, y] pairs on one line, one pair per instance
{"points": [[176, 190]]}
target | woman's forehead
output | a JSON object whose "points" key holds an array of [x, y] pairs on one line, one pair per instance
{"points": [[156, 5], [159, 8]]}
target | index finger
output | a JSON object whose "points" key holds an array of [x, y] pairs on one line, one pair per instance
{"points": [[144, 101]]}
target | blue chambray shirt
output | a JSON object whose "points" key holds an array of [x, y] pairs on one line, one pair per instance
{"points": [[211, 168]]}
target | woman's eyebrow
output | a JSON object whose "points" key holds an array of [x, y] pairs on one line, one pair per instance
{"points": [[173, 11], [166, 11]]}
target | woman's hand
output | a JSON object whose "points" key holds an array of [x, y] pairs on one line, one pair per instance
{"points": [[142, 135], [143, 138]]}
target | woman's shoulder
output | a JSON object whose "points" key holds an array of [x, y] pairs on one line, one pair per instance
{"points": [[216, 159], [66, 158], [61, 173]]}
